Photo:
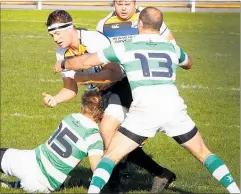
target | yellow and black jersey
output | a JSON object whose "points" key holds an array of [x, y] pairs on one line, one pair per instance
{"points": [[120, 30]]}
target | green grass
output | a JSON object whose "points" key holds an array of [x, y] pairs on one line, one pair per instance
{"points": [[210, 89]]}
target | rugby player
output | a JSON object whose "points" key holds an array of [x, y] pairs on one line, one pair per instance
{"points": [[121, 26], [150, 64], [45, 168], [75, 42]]}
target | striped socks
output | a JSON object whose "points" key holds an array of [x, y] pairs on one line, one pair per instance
{"points": [[101, 175], [219, 170]]}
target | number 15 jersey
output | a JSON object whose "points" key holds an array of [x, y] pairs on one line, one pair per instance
{"points": [[75, 138]]}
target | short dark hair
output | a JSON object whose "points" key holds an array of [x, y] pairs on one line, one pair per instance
{"points": [[151, 17], [92, 104], [58, 16]]}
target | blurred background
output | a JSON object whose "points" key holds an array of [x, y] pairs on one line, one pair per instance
{"points": [[169, 5]]}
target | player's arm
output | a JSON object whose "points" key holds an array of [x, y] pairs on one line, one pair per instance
{"points": [[185, 60], [95, 148], [68, 92], [111, 72], [88, 60], [85, 61]]}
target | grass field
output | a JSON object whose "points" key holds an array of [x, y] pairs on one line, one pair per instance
{"points": [[211, 90]]}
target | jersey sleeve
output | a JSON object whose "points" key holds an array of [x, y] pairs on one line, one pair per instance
{"points": [[95, 143], [108, 55], [94, 41], [181, 55], [100, 25]]}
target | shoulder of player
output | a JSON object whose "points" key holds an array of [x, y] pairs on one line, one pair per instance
{"points": [[101, 23], [94, 39]]}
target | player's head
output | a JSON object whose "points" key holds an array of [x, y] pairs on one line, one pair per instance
{"points": [[150, 19], [125, 9], [92, 104], [59, 24]]}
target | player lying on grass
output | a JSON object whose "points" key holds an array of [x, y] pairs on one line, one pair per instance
{"points": [[46, 167], [72, 42], [150, 64]]}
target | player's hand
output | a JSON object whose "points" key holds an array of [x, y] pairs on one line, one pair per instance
{"points": [[57, 67], [49, 100]]}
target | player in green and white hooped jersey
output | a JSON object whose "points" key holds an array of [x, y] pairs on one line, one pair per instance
{"points": [[150, 64], [45, 168]]}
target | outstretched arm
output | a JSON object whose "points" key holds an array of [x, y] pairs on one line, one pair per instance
{"points": [[79, 62], [111, 72]]}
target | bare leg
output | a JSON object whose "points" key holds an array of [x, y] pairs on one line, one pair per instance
{"points": [[108, 127], [214, 164]]}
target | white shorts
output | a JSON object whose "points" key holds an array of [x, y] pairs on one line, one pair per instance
{"points": [[22, 164], [172, 119], [115, 109]]}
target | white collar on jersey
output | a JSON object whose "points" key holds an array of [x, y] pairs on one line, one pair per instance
{"points": [[148, 37], [85, 119]]}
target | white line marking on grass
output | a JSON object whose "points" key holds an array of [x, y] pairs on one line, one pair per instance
{"points": [[222, 55], [183, 86], [24, 36], [187, 86], [50, 80], [227, 126], [30, 117]]}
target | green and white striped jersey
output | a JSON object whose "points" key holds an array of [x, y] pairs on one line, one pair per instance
{"points": [[148, 60], [76, 137]]}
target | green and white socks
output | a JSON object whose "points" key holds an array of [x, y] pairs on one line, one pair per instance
{"points": [[214, 164], [101, 175], [219, 170]]}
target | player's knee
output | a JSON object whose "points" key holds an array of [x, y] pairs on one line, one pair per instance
{"points": [[109, 123]]}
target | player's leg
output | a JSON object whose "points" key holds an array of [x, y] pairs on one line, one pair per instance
{"points": [[113, 116], [115, 152], [212, 162], [15, 184], [162, 176], [184, 131], [2, 152], [123, 142], [22, 165]]}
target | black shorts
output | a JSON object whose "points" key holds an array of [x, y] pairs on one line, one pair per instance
{"points": [[120, 88]]}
